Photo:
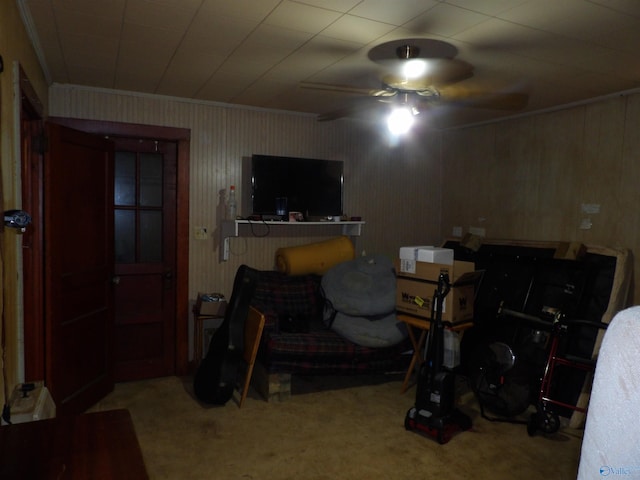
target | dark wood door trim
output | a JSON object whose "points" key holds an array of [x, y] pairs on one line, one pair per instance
{"points": [[182, 137], [31, 153]]}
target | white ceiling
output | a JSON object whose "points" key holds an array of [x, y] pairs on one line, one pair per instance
{"points": [[257, 52]]}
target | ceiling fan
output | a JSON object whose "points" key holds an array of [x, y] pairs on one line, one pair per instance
{"points": [[417, 74]]}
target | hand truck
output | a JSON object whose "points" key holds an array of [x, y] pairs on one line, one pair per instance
{"points": [[545, 419]]}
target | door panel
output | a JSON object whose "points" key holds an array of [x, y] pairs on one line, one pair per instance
{"points": [[78, 253], [180, 234], [145, 258]]}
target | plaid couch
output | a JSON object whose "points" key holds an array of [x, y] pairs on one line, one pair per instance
{"points": [[297, 341]]}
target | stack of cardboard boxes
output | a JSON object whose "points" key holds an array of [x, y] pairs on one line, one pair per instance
{"points": [[418, 270]]}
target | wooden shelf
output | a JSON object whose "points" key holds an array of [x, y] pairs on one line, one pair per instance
{"points": [[243, 228]]}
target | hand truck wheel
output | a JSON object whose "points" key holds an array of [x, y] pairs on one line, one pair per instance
{"points": [[547, 422]]}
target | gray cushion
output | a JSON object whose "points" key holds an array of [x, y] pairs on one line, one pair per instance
{"points": [[364, 286], [382, 332], [361, 298]]}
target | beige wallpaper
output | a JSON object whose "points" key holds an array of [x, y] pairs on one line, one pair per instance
{"points": [[566, 175], [15, 49]]}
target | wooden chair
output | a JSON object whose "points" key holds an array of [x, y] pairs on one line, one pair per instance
{"points": [[253, 327]]}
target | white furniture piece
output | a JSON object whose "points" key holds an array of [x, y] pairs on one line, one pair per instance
{"points": [[611, 442]]}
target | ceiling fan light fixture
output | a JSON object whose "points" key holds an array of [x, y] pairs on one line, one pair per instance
{"points": [[414, 68], [407, 51], [400, 120]]}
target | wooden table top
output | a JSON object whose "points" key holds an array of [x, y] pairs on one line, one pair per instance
{"points": [[101, 445]]}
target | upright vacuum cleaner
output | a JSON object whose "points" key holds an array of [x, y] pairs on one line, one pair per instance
{"points": [[434, 412]]}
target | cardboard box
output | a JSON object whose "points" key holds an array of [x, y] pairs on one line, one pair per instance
{"points": [[422, 284], [431, 271], [427, 254], [457, 307], [34, 404], [570, 251], [210, 308], [411, 253], [435, 255]]}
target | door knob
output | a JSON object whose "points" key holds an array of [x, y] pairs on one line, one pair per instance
{"points": [[168, 280]]}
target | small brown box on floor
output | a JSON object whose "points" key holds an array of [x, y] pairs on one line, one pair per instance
{"points": [[210, 308]]}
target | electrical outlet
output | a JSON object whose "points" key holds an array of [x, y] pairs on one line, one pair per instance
{"points": [[586, 224], [201, 233], [590, 208]]}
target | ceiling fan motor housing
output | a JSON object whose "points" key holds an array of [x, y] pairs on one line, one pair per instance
{"points": [[407, 51]]}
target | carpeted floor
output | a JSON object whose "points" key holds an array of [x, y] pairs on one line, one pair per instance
{"points": [[327, 431]]}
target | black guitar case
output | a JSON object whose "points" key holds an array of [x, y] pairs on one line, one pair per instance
{"points": [[216, 376]]}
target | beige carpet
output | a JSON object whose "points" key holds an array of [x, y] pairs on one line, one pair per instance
{"points": [[338, 433]]}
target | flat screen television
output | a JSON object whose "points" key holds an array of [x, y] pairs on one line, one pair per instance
{"points": [[313, 187]]}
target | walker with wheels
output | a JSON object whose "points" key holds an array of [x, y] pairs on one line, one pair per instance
{"points": [[545, 418]]}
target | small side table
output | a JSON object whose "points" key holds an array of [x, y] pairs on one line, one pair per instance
{"points": [[423, 325], [198, 327]]}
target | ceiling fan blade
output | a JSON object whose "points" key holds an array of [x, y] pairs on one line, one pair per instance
{"points": [[328, 87], [467, 97], [335, 114], [355, 107], [435, 87]]}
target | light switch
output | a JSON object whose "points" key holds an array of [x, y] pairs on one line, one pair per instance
{"points": [[201, 233]]}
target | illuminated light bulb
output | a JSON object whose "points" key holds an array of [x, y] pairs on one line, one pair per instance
{"points": [[400, 121], [414, 68]]}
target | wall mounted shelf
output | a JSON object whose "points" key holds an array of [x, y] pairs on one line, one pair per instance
{"points": [[245, 228]]}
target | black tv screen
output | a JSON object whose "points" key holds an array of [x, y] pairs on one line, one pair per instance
{"points": [[313, 187]]}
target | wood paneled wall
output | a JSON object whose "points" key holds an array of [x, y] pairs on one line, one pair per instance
{"points": [[540, 177], [524, 178], [394, 188], [16, 49]]}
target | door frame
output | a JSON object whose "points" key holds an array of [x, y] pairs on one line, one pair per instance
{"points": [[32, 175], [182, 137]]}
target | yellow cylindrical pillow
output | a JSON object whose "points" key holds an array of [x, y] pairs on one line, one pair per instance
{"points": [[314, 257]]}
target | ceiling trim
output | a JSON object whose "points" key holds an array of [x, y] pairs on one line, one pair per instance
{"points": [[194, 101], [555, 108]]}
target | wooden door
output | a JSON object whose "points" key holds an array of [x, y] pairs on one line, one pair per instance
{"points": [[145, 258], [78, 268]]}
